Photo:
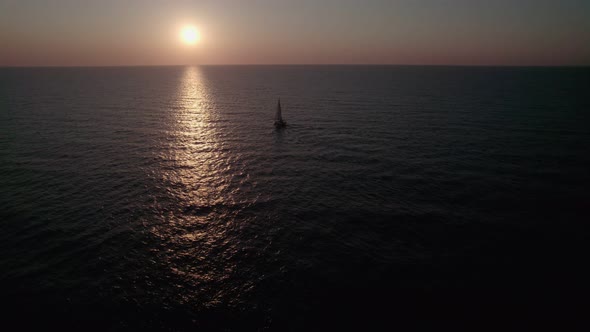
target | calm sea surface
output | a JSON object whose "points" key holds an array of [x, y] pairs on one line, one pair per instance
{"points": [[163, 197]]}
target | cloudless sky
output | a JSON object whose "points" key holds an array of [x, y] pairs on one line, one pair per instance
{"points": [[135, 32]]}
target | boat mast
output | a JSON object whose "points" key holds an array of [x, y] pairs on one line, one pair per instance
{"points": [[279, 116]]}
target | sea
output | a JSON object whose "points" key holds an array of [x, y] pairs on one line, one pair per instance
{"points": [[163, 198]]}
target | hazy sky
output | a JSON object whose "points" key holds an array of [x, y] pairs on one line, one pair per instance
{"points": [[134, 32]]}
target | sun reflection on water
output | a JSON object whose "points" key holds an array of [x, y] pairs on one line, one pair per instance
{"points": [[200, 198], [195, 147]]}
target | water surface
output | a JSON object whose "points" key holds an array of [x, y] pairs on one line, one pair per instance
{"points": [[152, 197]]}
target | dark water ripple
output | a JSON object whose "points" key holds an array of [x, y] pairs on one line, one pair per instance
{"points": [[163, 197]]}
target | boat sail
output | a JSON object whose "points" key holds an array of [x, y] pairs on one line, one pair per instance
{"points": [[279, 123]]}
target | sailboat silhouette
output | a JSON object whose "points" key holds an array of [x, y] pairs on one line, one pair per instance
{"points": [[279, 123]]}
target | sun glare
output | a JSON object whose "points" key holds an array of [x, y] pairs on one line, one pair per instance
{"points": [[190, 35]]}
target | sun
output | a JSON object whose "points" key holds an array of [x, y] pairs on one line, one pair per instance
{"points": [[190, 35]]}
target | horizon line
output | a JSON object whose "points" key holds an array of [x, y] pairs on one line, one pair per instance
{"points": [[302, 65]]}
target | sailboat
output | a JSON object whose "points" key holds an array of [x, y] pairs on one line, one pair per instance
{"points": [[279, 123]]}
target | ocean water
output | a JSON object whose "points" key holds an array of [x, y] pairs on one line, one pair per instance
{"points": [[163, 197]]}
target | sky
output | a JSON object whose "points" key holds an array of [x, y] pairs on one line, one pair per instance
{"points": [[429, 32]]}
